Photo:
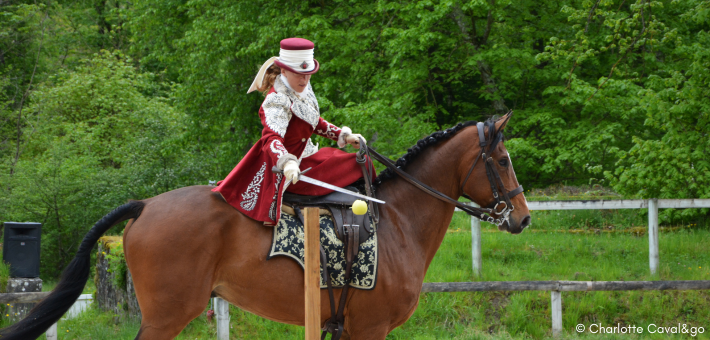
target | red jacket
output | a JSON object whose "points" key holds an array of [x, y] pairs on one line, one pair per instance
{"points": [[289, 121]]}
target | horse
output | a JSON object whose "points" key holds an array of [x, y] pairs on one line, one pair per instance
{"points": [[186, 245]]}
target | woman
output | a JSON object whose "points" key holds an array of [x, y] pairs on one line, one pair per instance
{"points": [[290, 115]]}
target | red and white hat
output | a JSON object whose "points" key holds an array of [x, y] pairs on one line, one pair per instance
{"points": [[296, 55]]}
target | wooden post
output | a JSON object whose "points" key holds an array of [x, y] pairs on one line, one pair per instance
{"points": [[653, 235], [51, 333], [556, 304], [221, 311], [476, 244], [312, 272]]}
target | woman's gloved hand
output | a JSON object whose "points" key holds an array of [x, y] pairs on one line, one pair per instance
{"points": [[354, 139], [291, 171]]}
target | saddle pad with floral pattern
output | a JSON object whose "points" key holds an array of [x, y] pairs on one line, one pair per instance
{"points": [[288, 241]]}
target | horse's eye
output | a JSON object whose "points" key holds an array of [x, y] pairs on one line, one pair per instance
{"points": [[503, 162]]}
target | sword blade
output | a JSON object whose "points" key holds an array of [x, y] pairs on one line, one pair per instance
{"points": [[338, 189]]}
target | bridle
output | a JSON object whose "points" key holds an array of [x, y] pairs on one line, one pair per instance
{"points": [[496, 183], [492, 172]]}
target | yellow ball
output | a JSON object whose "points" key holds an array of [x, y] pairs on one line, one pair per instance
{"points": [[359, 207]]}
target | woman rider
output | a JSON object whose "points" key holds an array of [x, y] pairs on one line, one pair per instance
{"points": [[290, 115]]}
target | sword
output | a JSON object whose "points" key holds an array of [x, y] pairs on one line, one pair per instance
{"points": [[314, 181]]}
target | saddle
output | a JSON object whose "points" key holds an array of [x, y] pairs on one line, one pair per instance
{"points": [[339, 205]]}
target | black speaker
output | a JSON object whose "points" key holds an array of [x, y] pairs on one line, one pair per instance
{"points": [[21, 248]]}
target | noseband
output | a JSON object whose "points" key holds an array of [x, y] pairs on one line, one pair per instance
{"points": [[484, 214]]}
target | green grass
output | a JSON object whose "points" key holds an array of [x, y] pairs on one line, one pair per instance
{"points": [[559, 256], [4, 273]]}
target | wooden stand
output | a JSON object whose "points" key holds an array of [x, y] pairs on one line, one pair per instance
{"points": [[312, 272]]}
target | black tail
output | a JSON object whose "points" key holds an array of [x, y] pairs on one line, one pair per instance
{"points": [[72, 282]]}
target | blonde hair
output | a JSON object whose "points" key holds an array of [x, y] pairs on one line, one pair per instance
{"points": [[269, 78]]}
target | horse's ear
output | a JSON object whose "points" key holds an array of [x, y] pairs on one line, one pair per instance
{"points": [[502, 121]]}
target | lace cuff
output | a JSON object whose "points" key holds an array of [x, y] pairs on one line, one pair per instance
{"points": [[285, 158], [344, 133]]}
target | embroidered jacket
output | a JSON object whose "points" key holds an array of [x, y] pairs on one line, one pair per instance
{"points": [[289, 120]]}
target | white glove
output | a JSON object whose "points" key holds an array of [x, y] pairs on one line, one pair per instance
{"points": [[354, 139], [291, 171]]}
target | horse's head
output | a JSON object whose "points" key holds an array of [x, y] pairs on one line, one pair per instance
{"points": [[491, 183]]}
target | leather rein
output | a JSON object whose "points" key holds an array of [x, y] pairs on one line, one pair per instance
{"points": [[494, 179]]}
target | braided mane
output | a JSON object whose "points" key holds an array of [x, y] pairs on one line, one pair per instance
{"points": [[422, 144]]}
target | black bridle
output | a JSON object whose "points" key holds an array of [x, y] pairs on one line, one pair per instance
{"points": [[484, 214], [492, 172]]}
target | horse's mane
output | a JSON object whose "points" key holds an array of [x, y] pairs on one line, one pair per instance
{"points": [[423, 144]]}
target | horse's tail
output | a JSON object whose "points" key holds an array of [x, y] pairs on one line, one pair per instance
{"points": [[72, 282]]}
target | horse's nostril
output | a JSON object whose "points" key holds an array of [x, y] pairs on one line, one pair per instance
{"points": [[525, 222]]}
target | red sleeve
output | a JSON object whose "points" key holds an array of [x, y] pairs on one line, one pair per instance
{"points": [[327, 130]]}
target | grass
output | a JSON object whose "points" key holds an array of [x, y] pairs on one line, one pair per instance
{"points": [[4, 273], [559, 256], [560, 245]]}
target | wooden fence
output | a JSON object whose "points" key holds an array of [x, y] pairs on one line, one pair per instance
{"points": [[557, 287], [651, 204]]}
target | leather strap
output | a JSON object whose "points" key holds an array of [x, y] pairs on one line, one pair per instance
{"points": [[369, 189], [481, 135], [336, 323], [328, 283], [515, 191]]}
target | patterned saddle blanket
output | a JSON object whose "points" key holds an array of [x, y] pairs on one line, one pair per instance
{"points": [[288, 241]]}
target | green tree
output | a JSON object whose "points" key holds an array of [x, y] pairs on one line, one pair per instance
{"points": [[673, 161], [98, 136]]}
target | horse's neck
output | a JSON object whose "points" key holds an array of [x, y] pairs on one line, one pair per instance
{"points": [[419, 220]]}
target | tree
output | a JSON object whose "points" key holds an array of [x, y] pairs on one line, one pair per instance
{"points": [[673, 162], [99, 136]]}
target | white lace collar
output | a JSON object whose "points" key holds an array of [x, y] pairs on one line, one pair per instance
{"points": [[304, 104]]}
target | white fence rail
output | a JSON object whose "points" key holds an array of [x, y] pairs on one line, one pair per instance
{"points": [[618, 204], [651, 204]]}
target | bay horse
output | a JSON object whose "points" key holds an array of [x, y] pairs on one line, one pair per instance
{"points": [[184, 245]]}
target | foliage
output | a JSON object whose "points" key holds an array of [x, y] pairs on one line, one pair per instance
{"points": [[4, 273], [581, 76], [100, 134], [116, 263]]}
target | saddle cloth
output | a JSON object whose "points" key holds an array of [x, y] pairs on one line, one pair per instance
{"points": [[288, 241]]}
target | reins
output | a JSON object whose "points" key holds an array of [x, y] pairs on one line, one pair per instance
{"points": [[494, 180]]}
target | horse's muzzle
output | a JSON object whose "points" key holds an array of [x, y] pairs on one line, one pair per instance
{"points": [[513, 226]]}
